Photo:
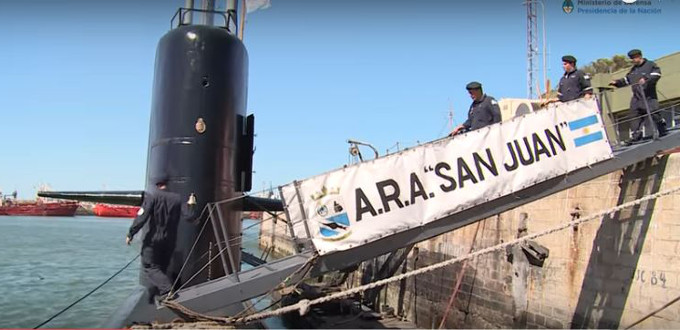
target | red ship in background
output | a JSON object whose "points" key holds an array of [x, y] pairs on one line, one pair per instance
{"points": [[10, 205], [38, 208], [115, 211]]}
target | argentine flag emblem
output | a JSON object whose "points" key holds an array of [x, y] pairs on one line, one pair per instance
{"points": [[586, 130]]}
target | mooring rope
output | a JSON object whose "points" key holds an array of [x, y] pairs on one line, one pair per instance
{"points": [[137, 256], [666, 305], [174, 305], [303, 305], [87, 294]]}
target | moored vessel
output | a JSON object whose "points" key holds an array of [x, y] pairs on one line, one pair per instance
{"points": [[115, 211], [38, 208]]}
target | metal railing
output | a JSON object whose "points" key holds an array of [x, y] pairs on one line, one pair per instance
{"points": [[229, 18], [620, 121]]}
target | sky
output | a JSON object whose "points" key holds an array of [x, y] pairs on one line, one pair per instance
{"points": [[76, 75]]}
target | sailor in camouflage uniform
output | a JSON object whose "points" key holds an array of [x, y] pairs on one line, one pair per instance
{"points": [[484, 110], [574, 83], [642, 78]]}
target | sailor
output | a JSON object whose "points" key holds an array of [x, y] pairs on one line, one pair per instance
{"points": [[574, 83], [483, 111], [162, 211], [642, 78]]}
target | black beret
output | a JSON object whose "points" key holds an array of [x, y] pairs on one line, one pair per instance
{"points": [[473, 85], [634, 52], [569, 58]]}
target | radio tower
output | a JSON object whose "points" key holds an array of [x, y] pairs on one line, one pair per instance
{"points": [[533, 49]]}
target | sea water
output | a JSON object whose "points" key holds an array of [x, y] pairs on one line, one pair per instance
{"points": [[47, 263]]}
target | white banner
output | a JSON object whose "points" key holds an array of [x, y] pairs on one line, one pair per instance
{"points": [[374, 199]]}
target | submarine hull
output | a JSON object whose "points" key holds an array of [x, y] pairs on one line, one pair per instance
{"points": [[196, 140]]}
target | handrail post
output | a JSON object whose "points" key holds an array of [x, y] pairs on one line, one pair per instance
{"points": [[296, 241], [302, 208], [218, 239], [604, 95], [225, 232], [655, 129]]}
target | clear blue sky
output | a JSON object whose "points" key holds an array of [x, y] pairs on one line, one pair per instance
{"points": [[75, 78]]}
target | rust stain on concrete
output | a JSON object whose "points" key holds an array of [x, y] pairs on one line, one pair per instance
{"points": [[572, 264]]}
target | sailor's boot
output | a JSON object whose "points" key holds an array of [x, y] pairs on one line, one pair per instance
{"points": [[661, 126], [636, 137]]}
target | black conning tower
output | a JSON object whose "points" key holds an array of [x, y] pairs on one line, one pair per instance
{"points": [[199, 134]]}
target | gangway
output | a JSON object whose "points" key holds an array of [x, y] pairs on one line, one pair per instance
{"points": [[222, 295], [624, 156]]}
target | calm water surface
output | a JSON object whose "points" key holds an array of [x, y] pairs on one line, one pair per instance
{"points": [[47, 263]]}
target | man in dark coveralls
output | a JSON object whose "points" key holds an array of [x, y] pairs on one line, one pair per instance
{"points": [[642, 78], [162, 211], [574, 83], [483, 111]]}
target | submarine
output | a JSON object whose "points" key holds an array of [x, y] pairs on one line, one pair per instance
{"points": [[202, 140]]}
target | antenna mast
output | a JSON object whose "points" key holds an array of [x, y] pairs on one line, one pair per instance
{"points": [[533, 83], [532, 47]]}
